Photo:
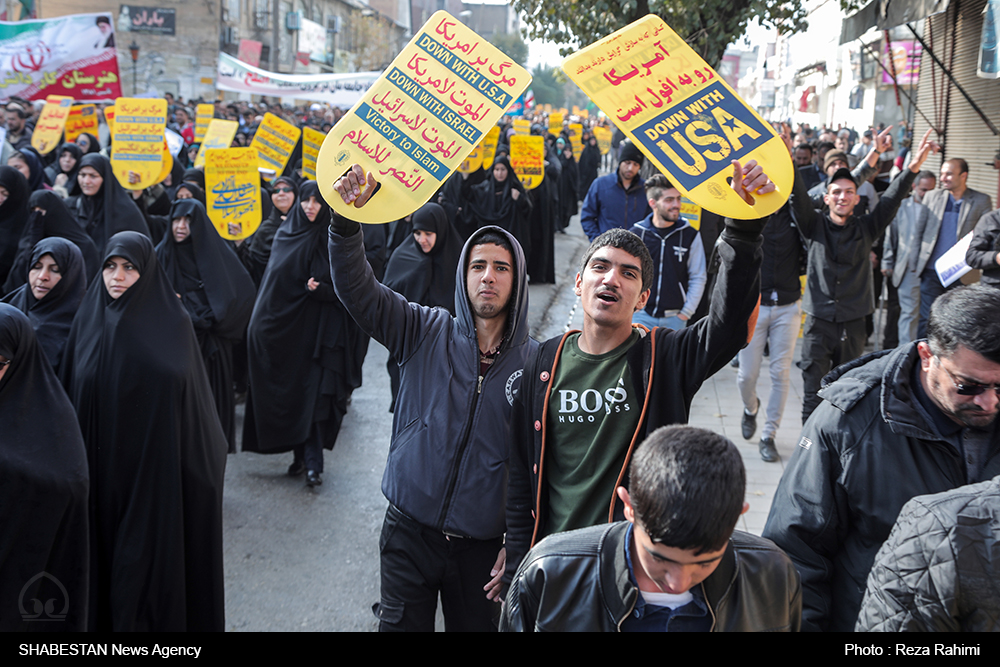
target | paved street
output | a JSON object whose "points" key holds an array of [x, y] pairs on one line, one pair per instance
{"points": [[298, 559]]}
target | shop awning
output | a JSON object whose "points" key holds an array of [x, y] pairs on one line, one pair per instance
{"points": [[885, 14]]}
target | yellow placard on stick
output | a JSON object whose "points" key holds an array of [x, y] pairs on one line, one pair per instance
{"points": [[232, 189], [527, 159], [312, 140], [682, 115], [603, 135], [421, 118], [137, 141], [81, 119], [576, 139], [51, 122], [555, 123], [489, 144], [219, 135], [202, 118], [522, 127], [274, 141], [474, 160]]}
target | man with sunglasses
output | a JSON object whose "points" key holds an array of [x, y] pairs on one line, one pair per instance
{"points": [[897, 424]]}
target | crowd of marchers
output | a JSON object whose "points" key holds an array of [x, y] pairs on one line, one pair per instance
{"points": [[532, 485]]}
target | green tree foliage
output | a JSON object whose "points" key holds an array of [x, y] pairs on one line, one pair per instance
{"points": [[547, 89], [512, 45], [708, 26]]}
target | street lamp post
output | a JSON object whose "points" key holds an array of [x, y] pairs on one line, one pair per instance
{"points": [[134, 50]]}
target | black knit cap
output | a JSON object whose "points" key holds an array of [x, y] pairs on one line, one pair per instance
{"points": [[631, 152]]}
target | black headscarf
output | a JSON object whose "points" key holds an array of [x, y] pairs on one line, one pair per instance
{"points": [[427, 278], [491, 203], [43, 490], [14, 214], [38, 179], [156, 453], [196, 176], [93, 147], [52, 316], [293, 333], [204, 262], [111, 209], [197, 193], [259, 249], [54, 169], [57, 220]]}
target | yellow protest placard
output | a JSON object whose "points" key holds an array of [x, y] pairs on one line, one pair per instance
{"points": [[682, 115], [202, 118], [219, 135], [109, 118], [168, 163], [232, 190], [522, 127], [137, 141], [312, 140], [527, 159], [473, 161], [583, 113], [603, 135], [576, 139], [555, 123], [691, 212], [490, 142], [547, 108], [421, 118], [274, 141], [82, 118], [49, 128]]}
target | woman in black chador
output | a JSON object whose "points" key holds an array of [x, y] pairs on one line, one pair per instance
{"points": [[156, 450], [216, 291], [104, 207], [14, 215], [43, 490], [499, 200], [423, 269], [52, 294], [299, 343]]}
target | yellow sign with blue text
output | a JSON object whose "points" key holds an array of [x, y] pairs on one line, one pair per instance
{"points": [[220, 134], [137, 141], [682, 115], [203, 117], [312, 140], [51, 122], [420, 119], [274, 141], [232, 191]]}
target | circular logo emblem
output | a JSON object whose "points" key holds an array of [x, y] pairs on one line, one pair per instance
{"points": [[343, 156], [511, 389], [715, 190]]}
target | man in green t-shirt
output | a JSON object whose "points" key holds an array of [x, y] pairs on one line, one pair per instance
{"points": [[589, 397]]}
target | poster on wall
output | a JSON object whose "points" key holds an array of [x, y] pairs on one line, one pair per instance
{"points": [[989, 63]]}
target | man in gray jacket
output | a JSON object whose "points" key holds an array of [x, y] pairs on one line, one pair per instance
{"points": [[955, 210], [446, 476]]}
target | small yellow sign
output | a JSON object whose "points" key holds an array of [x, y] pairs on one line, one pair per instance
{"points": [[489, 143], [232, 188], [137, 141], [576, 139], [474, 161], [603, 135], [312, 141], [555, 123], [691, 212], [82, 118], [109, 118], [219, 135], [274, 141], [421, 118], [527, 159], [522, 127], [682, 115], [202, 119], [49, 128]]}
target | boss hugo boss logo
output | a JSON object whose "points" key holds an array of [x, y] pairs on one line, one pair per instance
{"points": [[579, 407]]}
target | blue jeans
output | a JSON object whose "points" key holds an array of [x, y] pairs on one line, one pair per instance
{"points": [[777, 326], [648, 321]]}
